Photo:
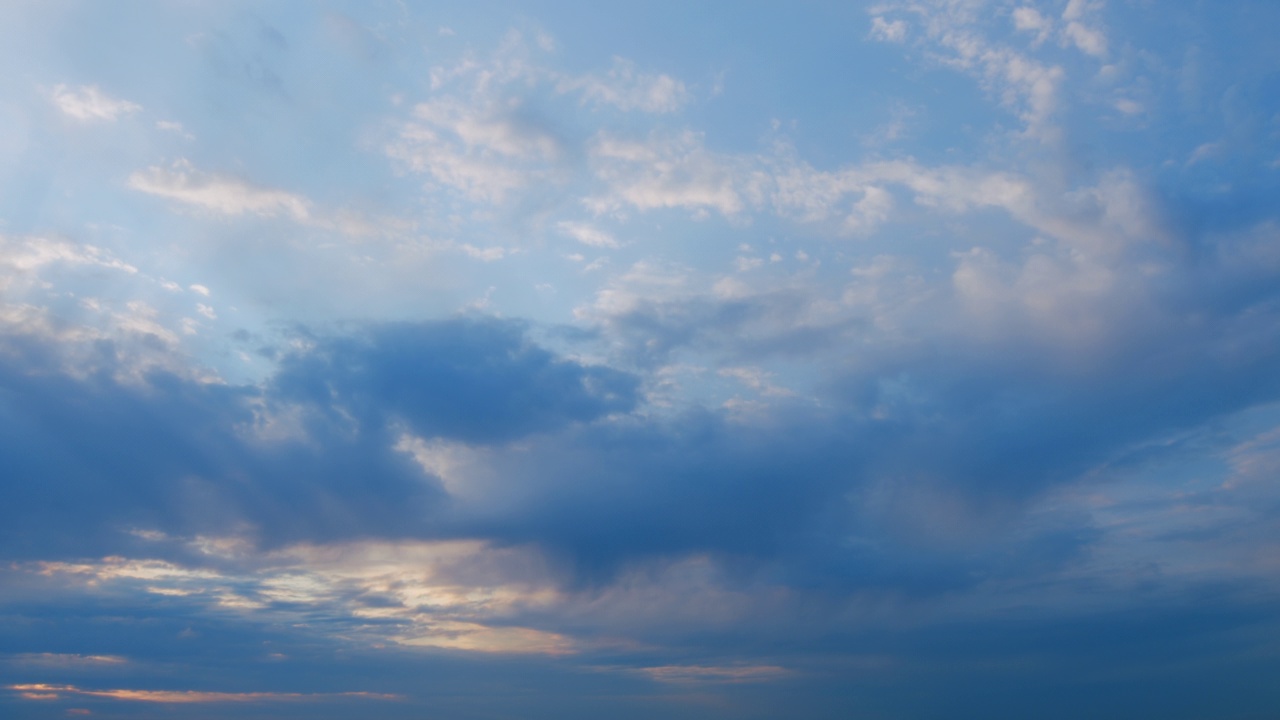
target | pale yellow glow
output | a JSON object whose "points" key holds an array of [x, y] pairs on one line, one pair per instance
{"points": [[41, 691], [480, 638], [457, 594]]}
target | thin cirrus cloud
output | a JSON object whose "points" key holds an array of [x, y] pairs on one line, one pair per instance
{"points": [[636, 363]]}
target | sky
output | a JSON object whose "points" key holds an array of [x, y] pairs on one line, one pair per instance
{"points": [[471, 361]]}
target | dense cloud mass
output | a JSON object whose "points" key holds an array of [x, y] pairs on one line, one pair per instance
{"points": [[888, 360], [476, 381]]}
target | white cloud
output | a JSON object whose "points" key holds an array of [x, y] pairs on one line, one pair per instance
{"points": [[1086, 38], [479, 178], [459, 467], [1207, 151], [587, 234], [1028, 19], [175, 128], [890, 31], [666, 172], [140, 318], [1128, 106], [217, 193], [484, 151], [488, 254], [23, 258], [627, 89], [869, 212], [88, 103], [497, 130], [482, 136], [1028, 86]]}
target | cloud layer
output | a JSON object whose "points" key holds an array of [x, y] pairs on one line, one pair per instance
{"points": [[804, 362]]}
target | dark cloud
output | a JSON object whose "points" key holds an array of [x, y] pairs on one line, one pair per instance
{"points": [[470, 380], [86, 458]]}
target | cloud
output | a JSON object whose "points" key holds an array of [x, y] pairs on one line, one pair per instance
{"points": [[23, 259], [697, 674], [1032, 88], [486, 155], [487, 134], [1089, 40], [44, 691], [479, 381], [890, 31], [628, 89], [587, 234], [66, 660], [233, 197], [1028, 19], [459, 595], [219, 194], [88, 103], [880, 401], [665, 172]]}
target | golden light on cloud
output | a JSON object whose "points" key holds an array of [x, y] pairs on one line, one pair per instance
{"points": [[455, 594], [42, 691], [480, 638]]}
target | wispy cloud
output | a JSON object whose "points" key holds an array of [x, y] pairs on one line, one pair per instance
{"points": [[181, 181], [626, 88], [43, 691], [88, 103]]}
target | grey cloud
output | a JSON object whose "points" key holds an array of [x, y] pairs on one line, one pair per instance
{"points": [[88, 458], [471, 380]]}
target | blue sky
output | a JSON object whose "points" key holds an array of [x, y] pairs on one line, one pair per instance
{"points": [[554, 360]]}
